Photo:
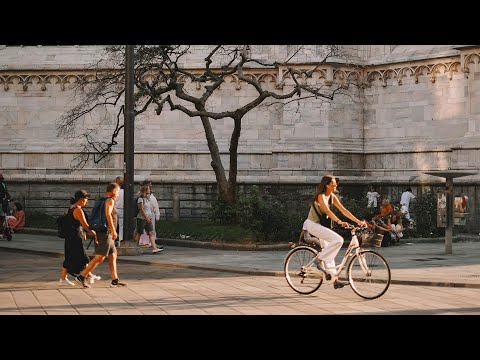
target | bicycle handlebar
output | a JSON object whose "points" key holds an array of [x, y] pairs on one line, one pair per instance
{"points": [[355, 227]]}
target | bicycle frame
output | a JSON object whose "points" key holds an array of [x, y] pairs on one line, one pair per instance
{"points": [[367, 271], [352, 249]]}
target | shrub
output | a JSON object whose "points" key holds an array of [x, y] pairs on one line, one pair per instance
{"points": [[222, 213], [425, 209]]}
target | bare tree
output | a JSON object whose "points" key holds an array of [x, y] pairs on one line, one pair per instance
{"points": [[161, 79]]}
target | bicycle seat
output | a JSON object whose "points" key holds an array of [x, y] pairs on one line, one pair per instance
{"points": [[310, 239]]}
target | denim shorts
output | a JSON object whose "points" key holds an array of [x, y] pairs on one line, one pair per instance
{"points": [[106, 245], [142, 224]]}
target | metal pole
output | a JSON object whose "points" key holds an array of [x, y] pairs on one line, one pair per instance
{"points": [[449, 227], [129, 144]]}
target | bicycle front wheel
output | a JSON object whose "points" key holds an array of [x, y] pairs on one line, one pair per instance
{"points": [[300, 278], [369, 274]]}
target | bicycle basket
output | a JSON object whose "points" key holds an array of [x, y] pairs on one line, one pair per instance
{"points": [[370, 239]]}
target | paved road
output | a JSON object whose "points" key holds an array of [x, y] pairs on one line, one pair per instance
{"points": [[28, 286], [218, 282]]}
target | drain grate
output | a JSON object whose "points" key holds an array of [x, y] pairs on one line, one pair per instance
{"points": [[429, 259], [471, 276], [421, 259]]}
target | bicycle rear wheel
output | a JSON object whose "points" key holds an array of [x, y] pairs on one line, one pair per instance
{"points": [[301, 279], [369, 274]]}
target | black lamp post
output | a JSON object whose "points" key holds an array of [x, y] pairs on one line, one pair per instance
{"points": [[129, 146]]}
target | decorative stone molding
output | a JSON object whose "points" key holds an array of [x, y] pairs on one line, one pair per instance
{"points": [[328, 73]]}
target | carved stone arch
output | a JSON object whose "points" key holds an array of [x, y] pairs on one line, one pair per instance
{"points": [[3, 80], [182, 78], [288, 80], [267, 78], [453, 67], [25, 80], [39, 79], [470, 59], [58, 79], [9, 79], [421, 70], [83, 80], [389, 74], [373, 76], [340, 76], [437, 69], [89, 77], [256, 77], [321, 73], [148, 78], [238, 82], [404, 72], [354, 76], [233, 78]]}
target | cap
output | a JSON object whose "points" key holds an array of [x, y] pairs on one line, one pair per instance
{"points": [[80, 194]]}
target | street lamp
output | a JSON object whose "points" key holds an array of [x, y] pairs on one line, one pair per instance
{"points": [[128, 246]]}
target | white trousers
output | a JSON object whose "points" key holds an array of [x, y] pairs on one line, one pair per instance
{"points": [[398, 229], [404, 209], [331, 240]]}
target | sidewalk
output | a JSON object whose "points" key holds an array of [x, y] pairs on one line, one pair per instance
{"points": [[423, 262]]}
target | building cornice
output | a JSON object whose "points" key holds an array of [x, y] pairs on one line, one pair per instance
{"points": [[325, 73]]}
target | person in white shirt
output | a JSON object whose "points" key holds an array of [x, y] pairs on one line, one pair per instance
{"points": [[119, 207], [146, 219], [144, 239], [372, 197], [405, 202]]}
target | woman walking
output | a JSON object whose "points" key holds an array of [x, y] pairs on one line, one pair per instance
{"points": [[75, 224]]}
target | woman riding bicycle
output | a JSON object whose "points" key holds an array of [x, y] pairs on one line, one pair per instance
{"points": [[318, 225]]}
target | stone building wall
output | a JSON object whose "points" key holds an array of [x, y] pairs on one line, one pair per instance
{"points": [[417, 110]]}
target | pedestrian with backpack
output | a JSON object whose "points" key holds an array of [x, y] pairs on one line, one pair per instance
{"points": [[105, 240]]}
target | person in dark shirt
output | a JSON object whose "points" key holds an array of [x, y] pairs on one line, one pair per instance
{"points": [[4, 194]]}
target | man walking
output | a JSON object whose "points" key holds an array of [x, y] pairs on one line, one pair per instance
{"points": [[405, 202], [4, 194], [105, 241]]}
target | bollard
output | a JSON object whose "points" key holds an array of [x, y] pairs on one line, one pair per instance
{"points": [[176, 206]]}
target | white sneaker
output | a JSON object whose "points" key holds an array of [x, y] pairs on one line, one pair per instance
{"points": [[93, 278], [66, 282]]}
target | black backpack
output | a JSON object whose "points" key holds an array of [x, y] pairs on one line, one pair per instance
{"points": [[61, 226], [136, 211], [97, 219]]}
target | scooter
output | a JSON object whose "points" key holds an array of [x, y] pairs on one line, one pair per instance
{"points": [[6, 231]]}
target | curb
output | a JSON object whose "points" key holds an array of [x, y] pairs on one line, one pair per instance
{"points": [[221, 246], [243, 271], [257, 247]]}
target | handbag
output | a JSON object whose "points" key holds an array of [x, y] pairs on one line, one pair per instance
{"points": [[324, 219]]}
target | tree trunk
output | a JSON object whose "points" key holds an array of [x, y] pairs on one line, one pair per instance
{"points": [[225, 189]]}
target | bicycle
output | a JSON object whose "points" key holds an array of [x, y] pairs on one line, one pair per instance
{"points": [[367, 271]]}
